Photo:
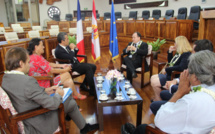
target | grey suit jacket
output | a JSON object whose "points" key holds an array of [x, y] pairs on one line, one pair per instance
{"points": [[26, 94]]}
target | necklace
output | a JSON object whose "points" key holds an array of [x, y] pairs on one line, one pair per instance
{"points": [[174, 60], [200, 89]]}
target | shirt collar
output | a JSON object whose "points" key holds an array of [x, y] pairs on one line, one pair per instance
{"points": [[14, 72], [63, 47]]}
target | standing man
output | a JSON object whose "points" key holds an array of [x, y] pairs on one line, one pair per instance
{"points": [[69, 51], [135, 51], [26, 94]]}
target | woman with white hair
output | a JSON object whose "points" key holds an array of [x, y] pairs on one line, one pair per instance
{"points": [[177, 63]]}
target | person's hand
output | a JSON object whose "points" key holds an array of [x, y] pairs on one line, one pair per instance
{"points": [[163, 71], [60, 91], [169, 83], [184, 85], [68, 68], [72, 46], [128, 48], [65, 65], [51, 90], [172, 48], [133, 48]]}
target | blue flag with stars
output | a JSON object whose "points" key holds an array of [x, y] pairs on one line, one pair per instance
{"points": [[113, 45]]}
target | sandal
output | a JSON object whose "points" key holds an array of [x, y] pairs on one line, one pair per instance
{"points": [[80, 97]]}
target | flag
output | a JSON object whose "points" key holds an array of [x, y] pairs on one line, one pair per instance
{"points": [[95, 36], [80, 38], [113, 44]]}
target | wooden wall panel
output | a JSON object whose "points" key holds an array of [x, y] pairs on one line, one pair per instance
{"points": [[86, 24], [51, 23], [185, 28], [64, 26], [121, 28], [207, 26], [171, 29], [87, 40], [140, 27], [104, 38], [73, 24], [100, 25], [130, 27], [160, 29], [150, 28], [106, 25]]}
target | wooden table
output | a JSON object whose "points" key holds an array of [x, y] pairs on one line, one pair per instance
{"points": [[113, 102]]}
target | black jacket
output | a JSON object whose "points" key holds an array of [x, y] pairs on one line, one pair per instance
{"points": [[138, 55], [61, 53]]}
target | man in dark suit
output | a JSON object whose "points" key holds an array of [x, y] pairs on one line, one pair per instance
{"points": [[26, 94], [69, 51], [135, 51]]}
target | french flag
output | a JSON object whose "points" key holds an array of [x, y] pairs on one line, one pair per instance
{"points": [[95, 36], [80, 38]]}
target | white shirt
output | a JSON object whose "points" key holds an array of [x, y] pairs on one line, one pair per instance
{"points": [[192, 114], [130, 56]]}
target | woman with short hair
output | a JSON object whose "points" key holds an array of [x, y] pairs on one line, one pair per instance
{"points": [[177, 63]]}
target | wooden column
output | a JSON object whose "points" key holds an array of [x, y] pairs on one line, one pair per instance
{"points": [[207, 26]]}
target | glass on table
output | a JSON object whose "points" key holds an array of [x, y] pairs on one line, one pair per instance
{"points": [[102, 91], [99, 74]]}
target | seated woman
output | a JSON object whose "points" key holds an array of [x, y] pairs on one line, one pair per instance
{"points": [[41, 67], [177, 63]]}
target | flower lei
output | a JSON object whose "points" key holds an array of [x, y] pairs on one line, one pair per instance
{"points": [[200, 89], [172, 63], [138, 45]]}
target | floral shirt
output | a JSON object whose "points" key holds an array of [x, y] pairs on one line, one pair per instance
{"points": [[39, 67]]}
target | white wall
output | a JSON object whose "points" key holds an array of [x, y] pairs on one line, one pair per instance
{"points": [[67, 6], [3, 14]]}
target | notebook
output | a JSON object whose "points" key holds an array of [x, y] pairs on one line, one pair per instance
{"points": [[67, 93]]}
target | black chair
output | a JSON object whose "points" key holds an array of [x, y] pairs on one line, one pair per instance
{"points": [[107, 15], [156, 14], [97, 16], [69, 17], [133, 14], [182, 13], [169, 14], [194, 15], [56, 17], [145, 14], [83, 16], [118, 15]]}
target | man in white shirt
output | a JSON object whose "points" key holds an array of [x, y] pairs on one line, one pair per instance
{"points": [[189, 112]]}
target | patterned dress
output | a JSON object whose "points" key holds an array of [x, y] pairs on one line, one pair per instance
{"points": [[40, 67]]}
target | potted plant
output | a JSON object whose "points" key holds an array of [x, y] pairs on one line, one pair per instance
{"points": [[156, 46]]}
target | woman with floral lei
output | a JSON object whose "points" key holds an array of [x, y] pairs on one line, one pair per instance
{"points": [[191, 110], [177, 63]]}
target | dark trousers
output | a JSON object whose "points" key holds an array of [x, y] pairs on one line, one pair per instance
{"points": [[165, 95], [89, 71], [131, 67], [155, 106]]}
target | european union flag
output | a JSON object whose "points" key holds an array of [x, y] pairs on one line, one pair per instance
{"points": [[113, 45]]}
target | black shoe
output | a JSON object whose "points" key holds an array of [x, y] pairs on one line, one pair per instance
{"points": [[123, 130], [89, 127], [84, 88], [134, 75], [68, 118], [130, 128]]}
